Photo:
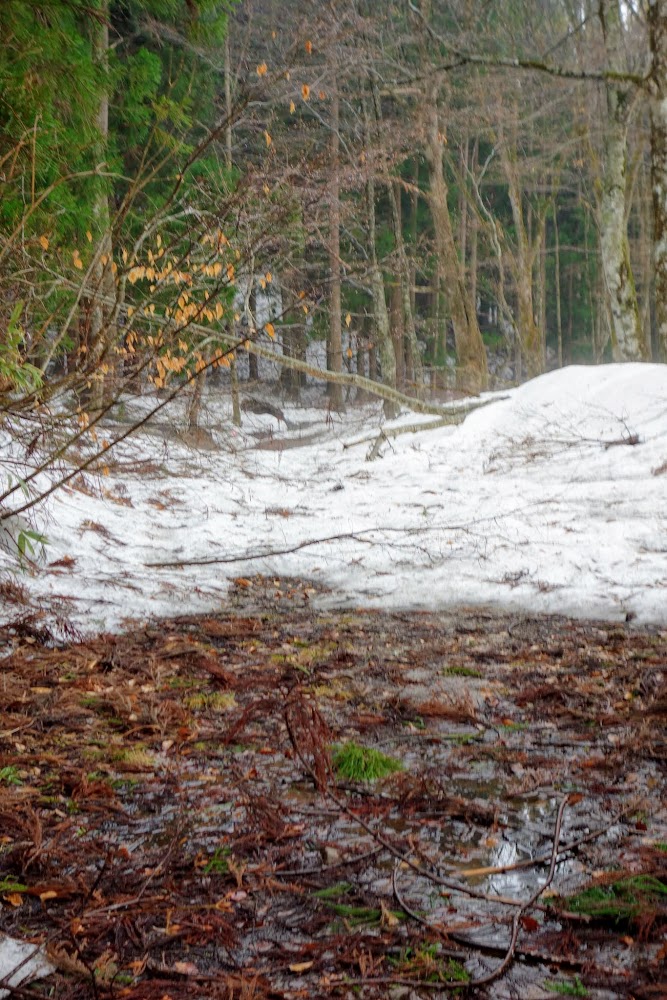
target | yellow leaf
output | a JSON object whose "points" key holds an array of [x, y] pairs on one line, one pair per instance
{"points": [[348, 320], [230, 272], [305, 92], [301, 966], [76, 260], [262, 283], [349, 352], [44, 243], [267, 138], [266, 189], [292, 109], [158, 241], [14, 898], [104, 260], [270, 329], [89, 236], [49, 894], [261, 69], [124, 256]]}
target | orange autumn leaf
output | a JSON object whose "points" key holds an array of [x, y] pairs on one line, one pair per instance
{"points": [[270, 329], [305, 92], [44, 243], [262, 69], [308, 46]]}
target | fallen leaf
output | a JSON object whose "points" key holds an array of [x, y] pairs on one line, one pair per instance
{"points": [[301, 966], [186, 968]]}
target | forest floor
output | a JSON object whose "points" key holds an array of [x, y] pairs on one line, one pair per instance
{"points": [[183, 812]]}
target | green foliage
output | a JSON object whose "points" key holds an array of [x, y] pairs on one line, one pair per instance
{"points": [[425, 963], [356, 763], [356, 916], [566, 988], [9, 883], [218, 863], [15, 371], [10, 775], [461, 672], [334, 891], [620, 902], [28, 540]]}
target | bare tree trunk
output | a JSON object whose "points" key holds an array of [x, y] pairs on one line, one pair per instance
{"points": [[228, 101], [236, 401], [414, 370], [628, 340], [194, 407], [472, 370], [251, 318], [412, 367], [102, 333], [531, 338], [657, 19], [397, 332], [474, 236], [381, 323], [335, 343], [559, 318]]}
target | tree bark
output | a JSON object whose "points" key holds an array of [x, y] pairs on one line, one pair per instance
{"points": [[628, 340], [472, 370], [382, 328], [559, 318], [101, 335], [335, 344], [657, 21]]}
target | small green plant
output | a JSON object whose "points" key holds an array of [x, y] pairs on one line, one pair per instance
{"points": [[27, 541], [10, 775], [218, 864], [461, 672], [567, 988], [355, 916], [15, 371], [334, 891], [213, 701], [9, 883], [619, 902], [356, 763], [425, 963]]}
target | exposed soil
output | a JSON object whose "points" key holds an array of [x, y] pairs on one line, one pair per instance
{"points": [[172, 824]]}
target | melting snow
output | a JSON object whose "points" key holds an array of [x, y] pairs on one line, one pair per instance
{"points": [[551, 500]]}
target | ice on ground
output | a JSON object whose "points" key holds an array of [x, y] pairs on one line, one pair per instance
{"points": [[21, 963], [551, 500]]}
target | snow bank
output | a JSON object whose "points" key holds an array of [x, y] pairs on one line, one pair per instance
{"points": [[552, 500]]}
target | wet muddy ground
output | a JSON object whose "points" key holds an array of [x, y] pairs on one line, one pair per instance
{"points": [[177, 820]]}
